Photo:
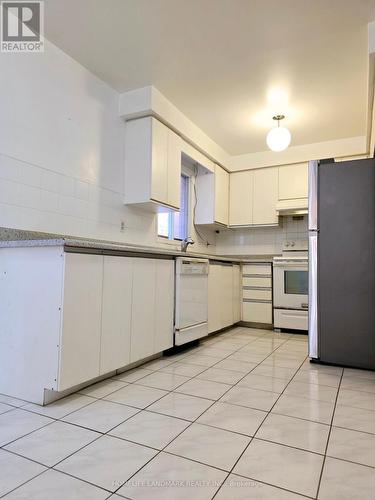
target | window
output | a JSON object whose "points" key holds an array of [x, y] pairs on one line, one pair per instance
{"points": [[174, 225]]}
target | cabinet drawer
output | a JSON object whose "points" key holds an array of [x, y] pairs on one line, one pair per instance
{"points": [[253, 293], [262, 269], [263, 282], [257, 312], [296, 320]]}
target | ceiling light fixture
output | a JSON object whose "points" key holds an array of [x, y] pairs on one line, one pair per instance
{"points": [[278, 138]]}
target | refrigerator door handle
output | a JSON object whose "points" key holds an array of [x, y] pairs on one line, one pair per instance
{"points": [[313, 295], [313, 195]]}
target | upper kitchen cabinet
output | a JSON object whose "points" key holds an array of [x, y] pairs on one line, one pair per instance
{"points": [[152, 165], [212, 191], [241, 198], [221, 195], [293, 187], [265, 195], [253, 198]]}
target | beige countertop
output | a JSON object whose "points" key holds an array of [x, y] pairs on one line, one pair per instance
{"points": [[10, 238]]}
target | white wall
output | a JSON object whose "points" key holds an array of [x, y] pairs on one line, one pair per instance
{"points": [[62, 152], [62, 157], [259, 241]]}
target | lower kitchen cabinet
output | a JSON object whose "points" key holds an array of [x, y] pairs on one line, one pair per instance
{"points": [[143, 309], [152, 307], [214, 298], [237, 285], [226, 308], [224, 299], [164, 305], [116, 312], [68, 317], [257, 293], [255, 311], [79, 347]]}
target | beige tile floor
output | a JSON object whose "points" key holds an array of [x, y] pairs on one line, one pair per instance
{"points": [[244, 415]]}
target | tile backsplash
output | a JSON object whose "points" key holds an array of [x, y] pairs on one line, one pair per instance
{"points": [[262, 240]]}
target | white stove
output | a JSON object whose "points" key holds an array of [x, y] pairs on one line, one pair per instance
{"points": [[290, 286]]}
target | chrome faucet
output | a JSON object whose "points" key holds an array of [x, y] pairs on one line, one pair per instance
{"points": [[185, 243]]}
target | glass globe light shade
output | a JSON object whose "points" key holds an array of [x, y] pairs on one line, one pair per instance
{"points": [[278, 138]]}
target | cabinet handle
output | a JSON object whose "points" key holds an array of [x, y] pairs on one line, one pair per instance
{"points": [[304, 305]]}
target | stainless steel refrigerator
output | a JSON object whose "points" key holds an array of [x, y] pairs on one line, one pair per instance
{"points": [[342, 262]]}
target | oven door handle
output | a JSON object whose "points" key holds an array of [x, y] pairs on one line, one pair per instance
{"points": [[287, 264]]}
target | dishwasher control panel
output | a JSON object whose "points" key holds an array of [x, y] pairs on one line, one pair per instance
{"points": [[191, 266]]}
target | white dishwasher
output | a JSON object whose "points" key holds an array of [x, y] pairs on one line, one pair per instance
{"points": [[191, 306]]}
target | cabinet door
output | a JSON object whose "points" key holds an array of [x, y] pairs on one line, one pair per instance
{"points": [[214, 298], [257, 312], [265, 196], [221, 195], [236, 275], [159, 172], [241, 198], [174, 169], [82, 308], [143, 309], [293, 181], [164, 305], [226, 288], [116, 313], [138, 160]]}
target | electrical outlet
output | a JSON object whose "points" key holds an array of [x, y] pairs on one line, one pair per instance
{"points": [[122, 226]]}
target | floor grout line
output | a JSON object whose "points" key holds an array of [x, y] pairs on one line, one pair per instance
{"points": [[129, 479], [329, 435], [254, 437], [280, 349]]}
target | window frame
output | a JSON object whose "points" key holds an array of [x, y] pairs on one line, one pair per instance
{"points": [[170, 239]]}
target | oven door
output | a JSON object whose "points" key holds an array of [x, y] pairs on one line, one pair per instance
{"points": [[290, 280]]}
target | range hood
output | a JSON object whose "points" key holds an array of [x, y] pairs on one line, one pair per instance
{"points": [[297, 206]]}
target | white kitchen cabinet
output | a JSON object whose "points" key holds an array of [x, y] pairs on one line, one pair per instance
{"points": [[143, 309], [221, 195], [256, 269], [237, 298], [241, 198], [214, 298], [257, 312], [164, 305], [224, 299], [265, 196], [253, 198], [152, 164], [174, 170], [158, 167], [67, 317], [152, 307], [212, 198], [226, 288], [116, 312], [81, 319], [257, 293], [257, 281], [293, 181]]}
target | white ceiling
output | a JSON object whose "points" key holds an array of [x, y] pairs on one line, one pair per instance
{"points": [[229, 65]]}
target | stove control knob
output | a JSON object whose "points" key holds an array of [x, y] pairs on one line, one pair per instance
{"points": [[292, 244], [287, 244]]}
